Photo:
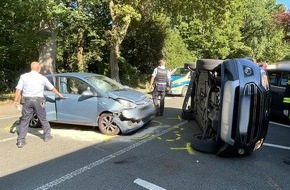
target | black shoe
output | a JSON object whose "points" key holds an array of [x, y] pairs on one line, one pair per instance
{"points": [[46, 139], [161, 114], [20, 144], [287, 161]]}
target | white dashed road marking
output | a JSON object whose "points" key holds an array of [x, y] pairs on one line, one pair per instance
{"points": [[105, 159], [277, 146], [283, 125], [147, 185]]}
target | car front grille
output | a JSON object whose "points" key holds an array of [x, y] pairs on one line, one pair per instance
{"points": [[248, 132]]}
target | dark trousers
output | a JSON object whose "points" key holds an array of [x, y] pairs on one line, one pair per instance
{"points": [[29, 107], [155, 95]]}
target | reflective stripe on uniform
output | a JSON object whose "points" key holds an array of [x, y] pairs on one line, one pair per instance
{"points": [[288, 82], [286, 100]]}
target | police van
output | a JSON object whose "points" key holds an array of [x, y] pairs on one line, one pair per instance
{"points": [[279, 75], [180, 78]]}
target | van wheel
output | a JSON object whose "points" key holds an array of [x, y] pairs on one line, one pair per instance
{"points": [[34, 122], [107, 126], [184, 91]]}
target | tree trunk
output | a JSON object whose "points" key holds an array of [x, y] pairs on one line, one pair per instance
{"points": [[81, 66], [47, 56], [114, 51]]}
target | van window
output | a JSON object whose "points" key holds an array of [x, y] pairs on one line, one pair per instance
{"points": [[284, 79], [274, 78]]}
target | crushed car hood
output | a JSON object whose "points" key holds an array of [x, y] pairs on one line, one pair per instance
{"points": [[128, 94]]}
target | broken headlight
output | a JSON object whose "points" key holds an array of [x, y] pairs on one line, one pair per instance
{"points": [[127, 104]]}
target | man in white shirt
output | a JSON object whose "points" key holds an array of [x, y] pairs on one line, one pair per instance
{"points": [[31, 87]]}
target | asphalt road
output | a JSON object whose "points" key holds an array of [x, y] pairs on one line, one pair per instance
{"points": [[157, 157]]}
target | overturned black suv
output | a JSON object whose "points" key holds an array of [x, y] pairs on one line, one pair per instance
{"points": [[230, 101]]}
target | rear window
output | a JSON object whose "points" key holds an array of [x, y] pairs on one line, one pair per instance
{"points": [[180, 71]]}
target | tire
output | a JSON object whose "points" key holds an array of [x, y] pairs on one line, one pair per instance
{"points": [[207, 64], [204, 145], [184, 91], [106, 125], [187, 115], [34, 122]]}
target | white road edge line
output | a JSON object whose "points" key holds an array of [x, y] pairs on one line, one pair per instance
{"points": [[283, 125], [147, 185], [9, 117], [4, 140], [105, 159], [277, 146]]}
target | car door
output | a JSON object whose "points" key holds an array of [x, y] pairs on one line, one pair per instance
{"points": [[50, 101], [76, 108], [278, 81]]}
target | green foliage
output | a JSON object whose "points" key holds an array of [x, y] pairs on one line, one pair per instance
{"points": [[175, 50], [260, 33], [143, 45], [20, 38], [87, 31], [213, 29]]}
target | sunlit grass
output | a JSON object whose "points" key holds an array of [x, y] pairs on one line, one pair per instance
{"points": [[6, 98]]}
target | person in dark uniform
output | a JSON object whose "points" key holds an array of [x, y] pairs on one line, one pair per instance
{"points": [[286, 101], [31, 87], [161, 81]]}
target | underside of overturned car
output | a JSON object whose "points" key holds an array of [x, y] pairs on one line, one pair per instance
{"points": [[230, 101]]}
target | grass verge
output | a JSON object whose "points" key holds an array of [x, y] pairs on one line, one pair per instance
{"points": [[6, 98]]}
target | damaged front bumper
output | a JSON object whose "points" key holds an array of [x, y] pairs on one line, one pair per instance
{"points": [[133, 119]]}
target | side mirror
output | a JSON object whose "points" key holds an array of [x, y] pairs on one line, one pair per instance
{"points": [[88, 93], [126, 87]]}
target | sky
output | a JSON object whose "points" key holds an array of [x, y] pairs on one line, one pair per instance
{"points": [[286, 2]]}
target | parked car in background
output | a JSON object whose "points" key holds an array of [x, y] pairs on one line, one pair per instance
{"points": [[279, 76], [230, 101], [96, 100], [180, 78]]}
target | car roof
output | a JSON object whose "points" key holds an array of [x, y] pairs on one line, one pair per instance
{"points": [[284, 66], [75, 74]]}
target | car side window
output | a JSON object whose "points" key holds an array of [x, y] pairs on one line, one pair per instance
{"points": [[274, 78], [284, 79], [71, 85]]}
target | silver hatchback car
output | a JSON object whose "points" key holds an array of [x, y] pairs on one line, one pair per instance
{"points": [[96, 100]]}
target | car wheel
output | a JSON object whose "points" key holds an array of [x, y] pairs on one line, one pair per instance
{"points": [[184, 91], [34, 122], [107, 126], [205, 144], [207, 64], [187, 115]]}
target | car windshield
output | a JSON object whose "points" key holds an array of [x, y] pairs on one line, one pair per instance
{"points": [[180, 71], [105, 83]]}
